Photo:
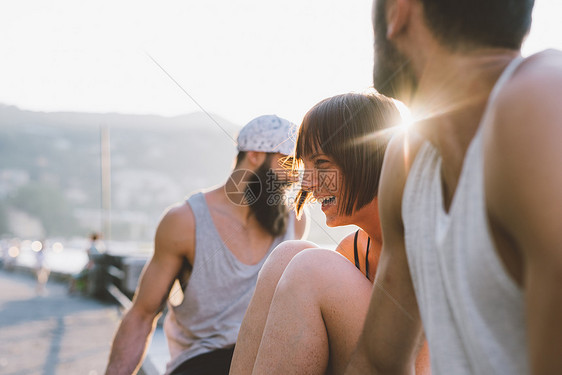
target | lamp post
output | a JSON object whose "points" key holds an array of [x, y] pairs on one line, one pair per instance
{"points": [[105, 181]]}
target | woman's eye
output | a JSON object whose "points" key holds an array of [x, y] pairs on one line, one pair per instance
{"points": [[321, 163]]}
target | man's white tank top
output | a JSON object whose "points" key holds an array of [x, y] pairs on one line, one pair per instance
{"points": [[472, 310]]}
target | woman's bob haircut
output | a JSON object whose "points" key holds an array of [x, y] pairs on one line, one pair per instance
{"points": [[353, 130]]}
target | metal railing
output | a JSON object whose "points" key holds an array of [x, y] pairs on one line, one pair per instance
{"points": [[116, 277]]}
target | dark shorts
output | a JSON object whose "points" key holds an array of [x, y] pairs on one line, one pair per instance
{"points": [[216, 362]]}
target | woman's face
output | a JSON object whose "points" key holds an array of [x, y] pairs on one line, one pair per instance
{"points": [[323, 178]]}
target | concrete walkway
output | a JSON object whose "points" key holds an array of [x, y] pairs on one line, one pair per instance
{"points": [[54, 333]]}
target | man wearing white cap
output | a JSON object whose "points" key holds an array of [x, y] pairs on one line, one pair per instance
{"points": [[214, 244]]}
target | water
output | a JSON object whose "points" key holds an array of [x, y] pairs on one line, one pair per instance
{"points": [[66, 261], [72, 257]]}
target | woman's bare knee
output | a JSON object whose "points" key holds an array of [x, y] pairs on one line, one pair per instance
{"points": [[281, 256], [315, 262]]}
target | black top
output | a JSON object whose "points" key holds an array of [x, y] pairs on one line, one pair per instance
{"points": [[356, 254]]}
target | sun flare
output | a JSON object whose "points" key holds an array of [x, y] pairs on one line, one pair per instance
{"points": [[405, 114]]}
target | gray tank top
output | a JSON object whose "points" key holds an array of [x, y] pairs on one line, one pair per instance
{"points": [[217, 294], [472, 310]]}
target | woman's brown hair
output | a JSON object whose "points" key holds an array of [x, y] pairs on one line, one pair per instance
{"points": [[352, 129]]}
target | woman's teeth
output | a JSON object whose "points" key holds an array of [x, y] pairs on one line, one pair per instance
{"points": [[328, 200]]}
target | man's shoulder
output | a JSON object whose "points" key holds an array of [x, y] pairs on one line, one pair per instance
{"points": [[178, 216], [529, 101], [542, 63], [534, 82], [176, 231]]}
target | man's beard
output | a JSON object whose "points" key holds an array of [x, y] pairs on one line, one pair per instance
{"points": [[265, 194], [393, 75]]}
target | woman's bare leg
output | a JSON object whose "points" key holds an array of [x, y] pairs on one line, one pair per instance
{"points": [[251, 330], [316, 316]]}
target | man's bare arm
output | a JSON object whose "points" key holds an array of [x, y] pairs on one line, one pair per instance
{"points": [[173, 242], [392, 333], [523, 174]]}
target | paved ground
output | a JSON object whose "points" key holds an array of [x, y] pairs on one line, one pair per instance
{"points": [[54, 333]]}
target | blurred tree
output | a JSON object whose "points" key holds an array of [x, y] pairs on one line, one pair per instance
{"points": [[49, 205], [4, 228]]}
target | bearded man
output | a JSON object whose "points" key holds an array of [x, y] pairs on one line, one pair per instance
{"points": [[214, 244]]}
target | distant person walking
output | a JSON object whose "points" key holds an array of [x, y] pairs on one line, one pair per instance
{"points": [[41, 270], [79, 281], [214, 244]]}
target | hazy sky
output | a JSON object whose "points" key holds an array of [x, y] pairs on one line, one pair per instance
{"points": [[236, 58]]}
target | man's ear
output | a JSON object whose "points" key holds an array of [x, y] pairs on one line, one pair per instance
{"points": [[255, 158], [397, 16]]}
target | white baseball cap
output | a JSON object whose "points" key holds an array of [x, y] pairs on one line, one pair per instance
{"points": [[268, 133]]}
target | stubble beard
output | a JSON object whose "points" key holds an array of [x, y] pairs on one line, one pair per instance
{"points": [[393, 74]]}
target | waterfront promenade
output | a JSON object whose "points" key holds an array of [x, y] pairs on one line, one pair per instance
{"points": [[53, 333]]}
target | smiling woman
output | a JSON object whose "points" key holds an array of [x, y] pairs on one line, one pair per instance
{"points": [[310, 303], [341, 144]]}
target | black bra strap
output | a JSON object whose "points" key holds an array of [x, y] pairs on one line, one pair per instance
{"points": [[367, 257], [355, 253]]}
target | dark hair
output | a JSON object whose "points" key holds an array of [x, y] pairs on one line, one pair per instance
{"points": [[465, 24], [239, 157], [347, 129], [263, 193]]}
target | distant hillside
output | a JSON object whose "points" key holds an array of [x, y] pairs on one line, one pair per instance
{"points": [[50, 178], [155, 161]]}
